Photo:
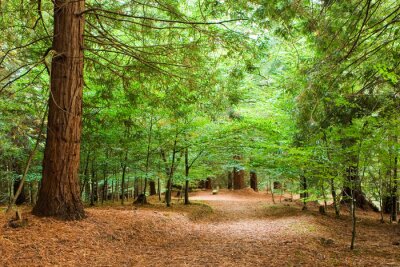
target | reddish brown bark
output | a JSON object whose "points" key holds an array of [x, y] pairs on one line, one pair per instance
{"points": [[253, 181], [59, 192], [238, 179]]}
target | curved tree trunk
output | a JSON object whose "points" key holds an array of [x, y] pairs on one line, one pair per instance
{"points": [[59, 192]]}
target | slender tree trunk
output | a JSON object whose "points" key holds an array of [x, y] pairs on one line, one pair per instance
{"points": [[168, 194], [9, 184], [34, 191], [92, 184], [27, 166], [135, 188], [334, 197], [230, 180], [85, 173], [171, 174], [144, 200], [105, 191], [353, 219], [332, 181], [127, 186], [304, 188], [395, 197], [380, 192], [105, 183], [59, 191], [116, 190], [112, 190], [324, 195], [187, 169], [272, 192], [123, 184], [159, 189]]}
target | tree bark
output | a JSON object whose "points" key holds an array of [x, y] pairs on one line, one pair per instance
{"points": [[253, 181], [152, 185], [147, 161], [136, 188], [334, 197], [159, 189], [171, 174], [230, 179], [123, 184], [238, 179], [112, 190], [93, 188], [395, 198], [59, 192], [353, 219], [304, 188], [19, 194], [187, 169], [104, 193], [20, 188]]}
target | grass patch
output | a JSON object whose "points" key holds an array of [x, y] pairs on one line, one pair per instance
{"points": [[199, 211], [280, 211], [303, 227]]}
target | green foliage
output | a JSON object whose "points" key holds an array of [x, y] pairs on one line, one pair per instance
{"points": [[288, 89]]}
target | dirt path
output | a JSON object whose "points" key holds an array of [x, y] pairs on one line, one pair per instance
{"points": [[229, 229]]}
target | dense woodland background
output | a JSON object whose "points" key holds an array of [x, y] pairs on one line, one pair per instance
{"points": [[301, 95]]}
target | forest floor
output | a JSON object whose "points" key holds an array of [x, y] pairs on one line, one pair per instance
{"points": [[241, 228]]}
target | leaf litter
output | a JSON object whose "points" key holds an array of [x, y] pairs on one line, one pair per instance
{"points": [[239, 228]]}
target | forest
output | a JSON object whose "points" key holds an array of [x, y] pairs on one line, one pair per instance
{"points": [[199, 133]]}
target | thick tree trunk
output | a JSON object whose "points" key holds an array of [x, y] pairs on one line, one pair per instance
{"points": [[59, 193], [253, 181], [152, 185], [238, 179]]}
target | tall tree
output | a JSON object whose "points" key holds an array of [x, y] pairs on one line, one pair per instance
{"points": [[59, 192]]}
